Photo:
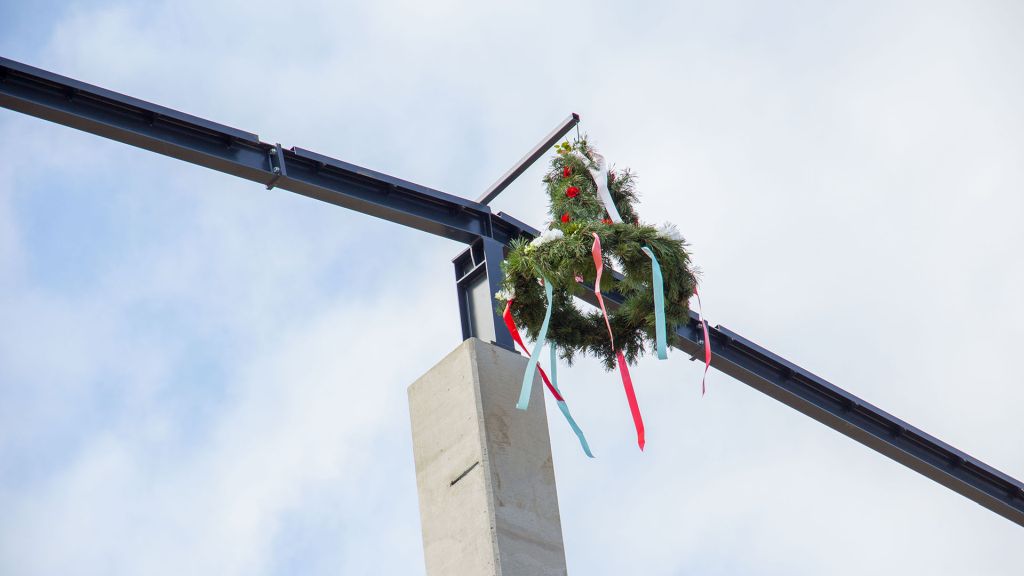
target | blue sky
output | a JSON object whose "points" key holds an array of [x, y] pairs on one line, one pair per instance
{"points": [[201, 376]]}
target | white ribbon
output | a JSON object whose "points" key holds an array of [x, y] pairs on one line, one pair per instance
{"points": [[600, 175]]}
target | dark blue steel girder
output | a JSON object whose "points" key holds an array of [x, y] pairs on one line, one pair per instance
{"points": [[242, 154], [172, 133]]}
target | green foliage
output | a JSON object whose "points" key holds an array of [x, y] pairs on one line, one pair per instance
{"points": [[562, 260]]}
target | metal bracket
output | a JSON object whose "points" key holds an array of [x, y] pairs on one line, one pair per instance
{"points": [[478, 276], [275, 158]]}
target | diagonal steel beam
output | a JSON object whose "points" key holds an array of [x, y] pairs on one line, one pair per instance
{"points": [[239, 153], [850, 415], [532, 156], [92, 109]]}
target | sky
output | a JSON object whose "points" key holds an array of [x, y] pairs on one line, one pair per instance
{"points": [[200, 376]]}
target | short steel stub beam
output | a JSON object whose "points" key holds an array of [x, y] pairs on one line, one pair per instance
{"points": [[532, 156]]}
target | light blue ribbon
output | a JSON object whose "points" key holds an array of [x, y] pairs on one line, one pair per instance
{"points": [[531, 370], [658, 283], [565, 408], [531, 366]]}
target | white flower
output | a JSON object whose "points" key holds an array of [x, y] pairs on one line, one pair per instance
{"points": [[505, 295], [669, 230], [547, 236]]}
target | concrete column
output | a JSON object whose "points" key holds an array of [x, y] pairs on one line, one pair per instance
{"points": [[486, 483]]}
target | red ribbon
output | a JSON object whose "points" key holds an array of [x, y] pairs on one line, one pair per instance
{"points": [[511, 325], [634, 408], [707, 342], [627, 381]]}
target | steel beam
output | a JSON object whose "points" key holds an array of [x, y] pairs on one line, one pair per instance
{"points": [[111, 115], [238, 153], [532, 156], [850, 415]]}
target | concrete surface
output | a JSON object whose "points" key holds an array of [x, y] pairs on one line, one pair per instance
{"points": [[486, 483]]}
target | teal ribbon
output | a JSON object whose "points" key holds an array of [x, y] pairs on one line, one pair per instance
{"points": [[531, 366], [564, 407], [658, 284], [554, 368]]}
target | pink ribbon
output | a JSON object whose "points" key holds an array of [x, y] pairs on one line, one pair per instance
{"points": [[707, 342], [627, 381]]}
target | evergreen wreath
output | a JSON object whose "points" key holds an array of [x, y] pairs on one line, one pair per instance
{"points": [[562, 255]]}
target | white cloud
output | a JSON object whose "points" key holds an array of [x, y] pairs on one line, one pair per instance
{"points": [[846, 174]]}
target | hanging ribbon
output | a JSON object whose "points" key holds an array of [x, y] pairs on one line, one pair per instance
{"points": [[531, 366], [627, 381], [552, 384], [511, 325], [707, 342], [563, 407], [634, 407], [658, 285], [600, 174], [599, 266]]}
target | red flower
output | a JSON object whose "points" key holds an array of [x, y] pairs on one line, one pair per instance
{"points": [[572, 192], [565, 218], [606, 221], [566, 172]]}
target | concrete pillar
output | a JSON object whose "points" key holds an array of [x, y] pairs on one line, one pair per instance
{"points": [[486, 483]]}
